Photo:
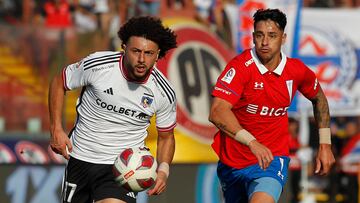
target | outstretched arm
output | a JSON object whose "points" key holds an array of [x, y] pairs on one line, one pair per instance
{"points": [[59, 141], [324, 158], [222, 117], [165, 153]]}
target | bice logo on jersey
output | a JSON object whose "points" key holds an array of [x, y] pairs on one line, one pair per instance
{"points": [[229, 76], [266, 111]]}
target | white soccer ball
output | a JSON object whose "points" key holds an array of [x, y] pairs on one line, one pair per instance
{"points": [[135, 169]]}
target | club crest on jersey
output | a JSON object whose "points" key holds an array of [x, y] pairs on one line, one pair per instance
{"points": [[146, 101], [229, 76]]}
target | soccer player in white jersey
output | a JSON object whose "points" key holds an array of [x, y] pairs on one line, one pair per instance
{"points": [[121, 91], [251, 98]]}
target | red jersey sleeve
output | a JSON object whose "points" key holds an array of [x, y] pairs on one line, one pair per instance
{"points": [[309, 85], [230, 83]]}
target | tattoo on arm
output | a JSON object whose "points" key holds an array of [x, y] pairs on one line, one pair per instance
{"points": [[321, 110], [223, 127]]}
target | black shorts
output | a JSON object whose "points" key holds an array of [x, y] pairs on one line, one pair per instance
{"points": [[87, 182]]}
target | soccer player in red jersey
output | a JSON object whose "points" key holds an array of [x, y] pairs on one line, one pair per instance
{"points": [[251, 99]]}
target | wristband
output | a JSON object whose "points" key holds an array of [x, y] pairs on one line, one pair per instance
{"points": [[164, 167], [244, 137], [324, 136]]}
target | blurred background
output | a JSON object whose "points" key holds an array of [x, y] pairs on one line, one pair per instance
{"points": [[39, 37]]}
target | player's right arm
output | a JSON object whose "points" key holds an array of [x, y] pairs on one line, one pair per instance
{"points": [[221, 116], [59, 140]]}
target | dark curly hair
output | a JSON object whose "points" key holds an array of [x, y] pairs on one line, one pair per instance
{"points": [[270, 14], [150, 28]]}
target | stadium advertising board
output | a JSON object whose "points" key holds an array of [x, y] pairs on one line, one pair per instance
{"points": [[31, 173], [193, 68], [331, 47]]}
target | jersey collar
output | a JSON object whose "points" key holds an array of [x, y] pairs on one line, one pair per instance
{"points": [[278, 70]]}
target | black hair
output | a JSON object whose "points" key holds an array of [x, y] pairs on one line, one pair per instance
{"points": [[150, 28], [271, 14]]}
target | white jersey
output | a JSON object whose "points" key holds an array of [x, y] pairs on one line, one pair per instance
{"points": [[114, 112]]}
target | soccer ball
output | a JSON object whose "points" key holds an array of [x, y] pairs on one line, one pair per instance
{"points": [[135, 169]]}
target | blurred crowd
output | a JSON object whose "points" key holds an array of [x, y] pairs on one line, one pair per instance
{"points": [[331, 3], [342, 183], [106, 16]]}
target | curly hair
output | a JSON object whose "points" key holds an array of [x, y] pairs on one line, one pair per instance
{"points": [[150, 28], [270, 14]]}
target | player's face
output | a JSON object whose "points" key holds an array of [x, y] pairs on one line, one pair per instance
{"points": [[140, 56], [268, 39]]}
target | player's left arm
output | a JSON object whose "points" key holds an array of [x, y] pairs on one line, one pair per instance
{"points": [[324, 158], [165, 153]]}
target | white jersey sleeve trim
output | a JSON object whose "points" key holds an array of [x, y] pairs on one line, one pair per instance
{"points": [[64, 79], [166, 129]]}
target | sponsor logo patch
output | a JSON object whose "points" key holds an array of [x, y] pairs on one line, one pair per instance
{"points": [[229, 76]]}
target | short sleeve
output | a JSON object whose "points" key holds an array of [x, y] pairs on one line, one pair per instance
{"points": [[166, 116], [74, 76], [309, 85], [230, 83]]}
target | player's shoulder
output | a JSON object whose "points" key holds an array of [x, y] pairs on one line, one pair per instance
{"points": [[102, 54], [242, 60], [296, 66], [158, 75], [295, 62], [162, 84], [100, 58]]}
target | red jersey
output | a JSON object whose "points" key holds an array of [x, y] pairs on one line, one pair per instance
{"points": [[260, 100], [57, 16]]}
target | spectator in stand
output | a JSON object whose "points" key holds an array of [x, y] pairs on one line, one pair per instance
{"points": [[118, 15], [130, 9], [57, 14], [203, 10], [211, 14], [295, 163], [102, 12], [339, 135], [331, 3], [10, 11], [84, 18], [347, 3], [318, 3], [347, 177], [148, 7], [175, 4], [58, 24]]}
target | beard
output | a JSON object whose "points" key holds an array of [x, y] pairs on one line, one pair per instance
{"points": [[140, 72]]}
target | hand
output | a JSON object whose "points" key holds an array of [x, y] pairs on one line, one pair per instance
{"points": [[324, 159], [160, 184], [60, 143], [262, 153]]}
